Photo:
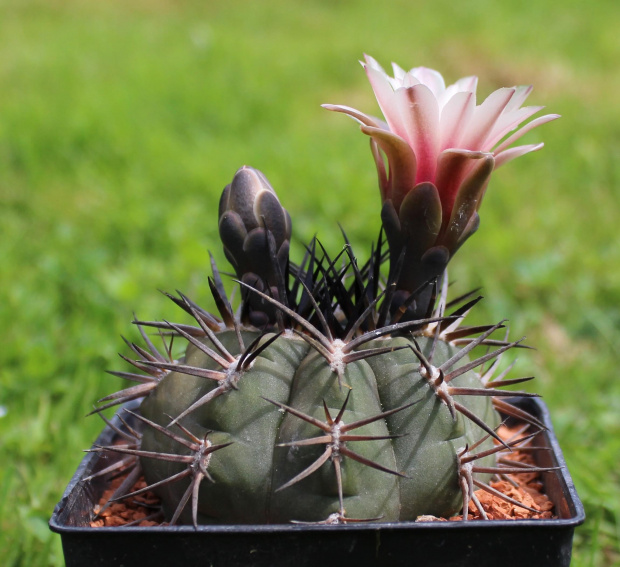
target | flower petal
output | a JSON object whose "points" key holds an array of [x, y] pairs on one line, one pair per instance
{"points": [[471, 227], [467, 201], [521, 93], [384, 185], [466, 84], [431, 78], [522, 131], [387, 100], [507, 122], [372, 62], [355, 114], [420, 218], [420, 118], [453, 166], [512, 153], [455, 117], [399, 73], [485, 117], [401, 162]]}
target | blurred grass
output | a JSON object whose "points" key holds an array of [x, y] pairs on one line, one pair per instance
{"points": [[120, 122]]}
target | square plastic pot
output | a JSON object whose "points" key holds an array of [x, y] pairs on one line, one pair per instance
{"points": [[509, 543]]}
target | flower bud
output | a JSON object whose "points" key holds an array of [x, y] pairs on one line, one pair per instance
{"points": [[255, 230]]}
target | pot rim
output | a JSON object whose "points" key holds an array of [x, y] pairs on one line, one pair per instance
{"points": [[576, 513]]}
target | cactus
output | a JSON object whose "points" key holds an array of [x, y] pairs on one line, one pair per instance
{"points": [[334, 392]]}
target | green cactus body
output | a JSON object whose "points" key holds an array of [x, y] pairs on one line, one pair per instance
{"points": [[247, 474], [332, 393]]}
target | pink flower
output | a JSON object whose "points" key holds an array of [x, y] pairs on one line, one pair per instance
{"points": [[437, 135]]}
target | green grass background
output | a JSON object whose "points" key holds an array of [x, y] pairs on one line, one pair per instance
{"points": [[121, 121]]}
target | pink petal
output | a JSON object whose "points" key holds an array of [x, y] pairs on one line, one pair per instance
{"points": [[419, 113], [512, 153], [485, 117], [355, 114], [399, 73], [521, 93], [507, 122], [466, 84], [387, 100], [401, 161], [521, 132], [431, 78], [453, 166], [409, 81], [372, 62], [467, 201], [455, 117]]}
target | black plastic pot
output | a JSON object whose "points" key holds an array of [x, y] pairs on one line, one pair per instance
{"points": [[523, 543]]}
